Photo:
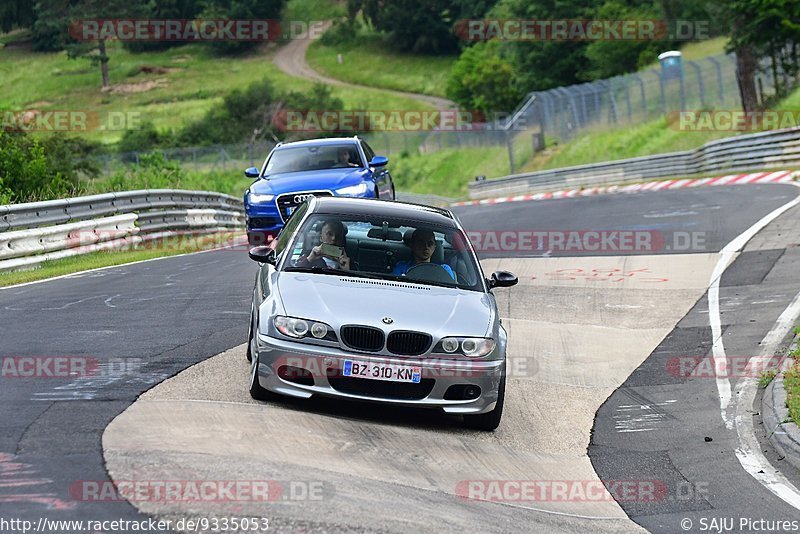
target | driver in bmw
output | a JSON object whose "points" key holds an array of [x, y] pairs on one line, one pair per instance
{"points": [[423, 245]]}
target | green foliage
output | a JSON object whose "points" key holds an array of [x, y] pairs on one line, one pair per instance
{"points": [[609, 58], [154, 171], [791, 381], [143, 139], [766, 377], [240, 10], [5, 194], [482, 79], [344, 30], [247, 115], [16, 14], [41, 170], [420, 26]]}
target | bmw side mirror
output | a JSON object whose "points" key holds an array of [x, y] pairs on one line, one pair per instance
{"points": [[379, 161], [252, 172], [503, 279], [263, 254]]}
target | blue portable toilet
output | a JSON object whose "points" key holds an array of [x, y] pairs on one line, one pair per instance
{"points": [[671, 64]]}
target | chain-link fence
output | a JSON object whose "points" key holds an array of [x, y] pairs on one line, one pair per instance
{"points": [[562, 113], [219, 157], [705, 84]]}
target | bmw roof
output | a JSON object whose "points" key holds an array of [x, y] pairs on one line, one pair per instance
{"points": [[382, 208]]}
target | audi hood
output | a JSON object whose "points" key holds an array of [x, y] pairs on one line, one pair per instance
{"points": [[327, 179], [341, 300]]}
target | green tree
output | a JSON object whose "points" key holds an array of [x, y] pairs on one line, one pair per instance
{"points": [[26, 171], [482, 79], [420, 26], [95, 50], [760, 27], [240, 10], [16, 14]]}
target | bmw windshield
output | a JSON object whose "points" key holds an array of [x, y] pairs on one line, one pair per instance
{"points": [[384, 248]]}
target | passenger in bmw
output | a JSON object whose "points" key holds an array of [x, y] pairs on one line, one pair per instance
{"points": [[423, 245], [330, 253]]}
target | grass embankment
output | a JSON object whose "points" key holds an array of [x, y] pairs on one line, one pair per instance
{"points": [[371, 60], [169, 88], [791, 381], [94, 260]]}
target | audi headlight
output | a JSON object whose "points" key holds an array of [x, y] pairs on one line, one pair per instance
{"points": [[473, 347], [353, 190], [303, 328], [258, 199]]}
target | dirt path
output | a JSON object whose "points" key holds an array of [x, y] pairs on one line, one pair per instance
{"points": [[291, 59]]}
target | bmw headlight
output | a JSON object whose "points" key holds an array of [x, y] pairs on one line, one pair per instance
{"points": [[473, 347], [353, 190], [303, 328], [256, 198]]}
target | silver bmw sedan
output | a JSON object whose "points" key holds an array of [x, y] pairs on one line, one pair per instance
{"points": [[378, 301]]}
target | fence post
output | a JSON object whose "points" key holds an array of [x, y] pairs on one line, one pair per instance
{"points": [[718, 68], [612, 102], [510, 146], [663, 94], [628, 100], [641, 90], [700, 84]]}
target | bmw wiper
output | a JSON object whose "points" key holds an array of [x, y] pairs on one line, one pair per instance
{"points": [[314, 269]]}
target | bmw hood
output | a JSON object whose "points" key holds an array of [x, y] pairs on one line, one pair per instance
{"points": [[290, 182], [340, 300]]}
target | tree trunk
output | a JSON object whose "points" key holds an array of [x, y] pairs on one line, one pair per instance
{"points": [[774, 58], [746, 73], [101, 46]]}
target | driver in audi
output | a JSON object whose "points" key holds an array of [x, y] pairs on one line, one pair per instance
{"points": [[423, 245]]}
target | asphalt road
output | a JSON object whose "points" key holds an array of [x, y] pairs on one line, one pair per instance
{"points": [[154, 319]]}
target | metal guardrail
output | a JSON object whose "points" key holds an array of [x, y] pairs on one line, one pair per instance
{"points": [[772, 149], [35, 232]]}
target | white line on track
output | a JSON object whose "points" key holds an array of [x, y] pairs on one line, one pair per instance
{"points": [[118, 266], [749, 453]]}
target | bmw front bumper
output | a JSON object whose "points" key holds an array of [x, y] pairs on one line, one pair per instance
{"points": [[303, 370]]}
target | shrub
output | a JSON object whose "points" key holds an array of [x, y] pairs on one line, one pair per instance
{"points": [[482, 79], [31, 173]]}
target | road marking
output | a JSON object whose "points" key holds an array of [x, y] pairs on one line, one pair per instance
{"points": [[119, 266], [749, 453]]}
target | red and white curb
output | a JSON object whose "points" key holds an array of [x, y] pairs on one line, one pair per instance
{"points": [[731, 179]]}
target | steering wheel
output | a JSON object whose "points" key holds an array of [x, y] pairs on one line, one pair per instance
{"points": [[432, 272]]}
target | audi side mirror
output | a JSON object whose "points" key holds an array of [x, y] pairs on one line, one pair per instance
{"points": [[252, 172], [379, 161]]}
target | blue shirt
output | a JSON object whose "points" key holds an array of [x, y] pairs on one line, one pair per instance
{"points": [[403, 266]]}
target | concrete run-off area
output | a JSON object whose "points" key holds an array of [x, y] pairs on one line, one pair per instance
{"points": [[573, 340]]}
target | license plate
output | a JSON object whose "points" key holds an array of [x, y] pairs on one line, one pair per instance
{"points": [[382, 371]]}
